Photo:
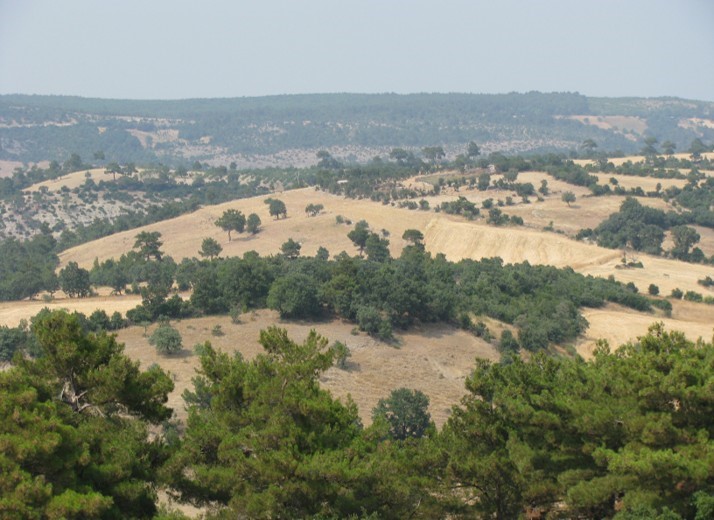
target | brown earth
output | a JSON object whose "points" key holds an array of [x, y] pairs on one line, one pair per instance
{"points": [[434, 359]]}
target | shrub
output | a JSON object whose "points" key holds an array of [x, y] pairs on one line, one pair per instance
{"points": [[166, 339], [653, 290], [693, 296], [342, 353]]}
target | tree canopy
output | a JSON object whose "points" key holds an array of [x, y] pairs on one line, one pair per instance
{"points": [[74, 428]]}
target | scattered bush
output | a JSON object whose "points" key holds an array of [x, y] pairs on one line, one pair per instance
{"points": [[166, 339]]}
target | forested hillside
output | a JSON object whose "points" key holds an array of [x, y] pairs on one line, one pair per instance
{"points": [[358, 126]]}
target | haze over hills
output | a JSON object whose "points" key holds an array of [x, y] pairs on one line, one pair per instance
{"points": [[288, 130]]}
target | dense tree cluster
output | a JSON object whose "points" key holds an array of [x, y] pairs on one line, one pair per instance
{"points": [[379, 293], [643, 229], [627, 435], [74, 428], [28, 267]]}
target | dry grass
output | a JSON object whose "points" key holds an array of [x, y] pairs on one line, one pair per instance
{"points": [[646, 183], [434, 359], [12, 312], [71, 180], [618, 325]]}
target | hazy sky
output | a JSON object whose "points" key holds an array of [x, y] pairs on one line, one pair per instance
{"points": [[170, 49]]}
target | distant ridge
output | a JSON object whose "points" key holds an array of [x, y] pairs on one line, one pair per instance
{"points": [[289, 129]]}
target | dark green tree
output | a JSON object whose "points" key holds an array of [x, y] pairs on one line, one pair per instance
{"points": [[231, 220], [568, 197], [74, 281], [166, 339], [377, 248], [407, 413], [295, 296], [253, 223], [359, 235], [263, 439], [413, 236], [210, 248], [149, 244], [291, 249], [276, 208], [684, 238], [74, 428]]}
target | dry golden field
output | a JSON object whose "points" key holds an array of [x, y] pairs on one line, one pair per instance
{"points": [[72, 180], [434, 359]]}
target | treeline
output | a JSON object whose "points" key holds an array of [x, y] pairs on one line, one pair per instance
{"points": [[627, 435], [272, 124], [377, 293], [28, 267]]}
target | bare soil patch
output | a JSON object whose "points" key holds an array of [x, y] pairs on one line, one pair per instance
{"points": [[435, 359]]}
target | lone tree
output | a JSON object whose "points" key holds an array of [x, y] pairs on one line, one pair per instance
{"points": [[210, 248], [231, 220], [148, 244], [472, 150], [359, 235], [568, 197], [313, 210], [253, 223], [406, 413], [414, 236], [166, 339], [276, 208]]}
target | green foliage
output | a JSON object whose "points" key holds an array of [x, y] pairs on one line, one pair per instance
{"points": [[149, 244], [653, 290], [406, 413], [166, 339], [461, 206], [290, 249], [253, 224], [633, 425], [294, 296], [13, 339], [276, 208], [210, 248], [568, 197], [359, 235], [231, 220], [313, 210], [73, 424], [414, 236], [684, 238], [272, 442], [341, 353], [74, 281], [28, 267], [634, 225]]}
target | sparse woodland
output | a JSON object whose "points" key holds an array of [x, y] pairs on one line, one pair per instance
{"points": [[86, 432]]}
